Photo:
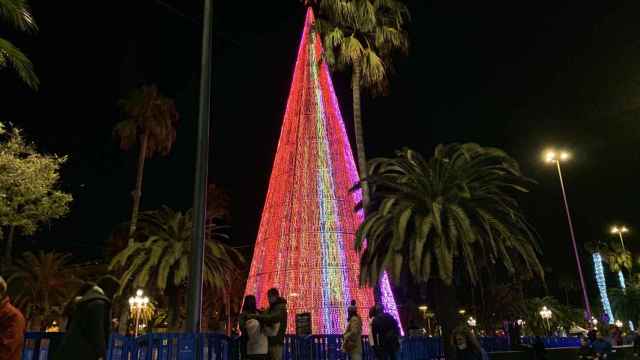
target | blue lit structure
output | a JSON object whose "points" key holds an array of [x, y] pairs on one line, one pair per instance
{"points": [[602, 286], [623, 286]]}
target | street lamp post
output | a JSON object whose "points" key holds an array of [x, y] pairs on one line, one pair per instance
{"points": [[619, 230], [472, 322], [137, 304], [553, 157], [194, 299], [546, 314]]}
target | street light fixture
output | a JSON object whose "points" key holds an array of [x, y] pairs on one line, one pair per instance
{"points": [[137, 305], [556, 157], [546, 314], [619, 230]]}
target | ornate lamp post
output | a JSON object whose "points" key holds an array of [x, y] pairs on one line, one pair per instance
{"points": [[546, 314], [554, 157], [472, 322], [137, 305]]}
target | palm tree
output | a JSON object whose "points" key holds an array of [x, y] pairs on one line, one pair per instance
{"points": [[18, 15], [363, 35], [161, 262], [450, 215], [44, 283], [619, 259], [150, 120], [626, 302]]}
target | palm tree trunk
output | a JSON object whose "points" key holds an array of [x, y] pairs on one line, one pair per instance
{"points": [[173, 309], [123, 324], [357, 123], [445, 306], [137, 193], [8, 249]]}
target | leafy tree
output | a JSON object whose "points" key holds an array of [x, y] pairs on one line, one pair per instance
{"points": [[29, 193], [363, 36], [150, 121], [17, 14], [43, 283], [161, 262], [447, 216]]}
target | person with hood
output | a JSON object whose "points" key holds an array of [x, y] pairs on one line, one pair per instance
{"points": [[12, 327], [352, 343], [89, 325], [276, 319], [386, 334]]}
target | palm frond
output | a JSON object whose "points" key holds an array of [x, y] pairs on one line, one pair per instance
{"points": [[12, 56]]}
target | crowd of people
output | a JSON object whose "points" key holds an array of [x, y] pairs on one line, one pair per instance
{"points": [[87, 329], [262, 331]]}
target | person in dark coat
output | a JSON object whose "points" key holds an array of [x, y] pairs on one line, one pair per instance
{"points": [[386, 334], [601, 347], [275, 316], [12, 327], [89, 325], [636, 343], [585, 352]]}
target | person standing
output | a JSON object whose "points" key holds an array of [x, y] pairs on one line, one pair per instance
{"points": [[601, 347], [276, 318], [90, 323], [467, 346], [254, 342], [386, 334], [352, 339], [585, 352], [636, 343], [12, 327]]}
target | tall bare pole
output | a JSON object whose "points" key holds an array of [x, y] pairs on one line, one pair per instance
{"points": [[202, 164], [573, 241]]}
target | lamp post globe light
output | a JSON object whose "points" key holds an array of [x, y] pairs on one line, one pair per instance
{"points": [[137, 305], [472, 322], [556, 157]]}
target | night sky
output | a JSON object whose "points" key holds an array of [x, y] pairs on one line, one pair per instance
{"points": [[516, 75]]}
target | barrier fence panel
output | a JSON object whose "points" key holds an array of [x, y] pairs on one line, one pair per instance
{"points": [[166, 346]]}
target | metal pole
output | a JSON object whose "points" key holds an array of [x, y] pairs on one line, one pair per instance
{"points": [[573, 241], [621, 240], [135, 331], [200, 187]]}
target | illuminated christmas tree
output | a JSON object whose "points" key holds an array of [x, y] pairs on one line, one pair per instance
{"points": [[305, 245]]}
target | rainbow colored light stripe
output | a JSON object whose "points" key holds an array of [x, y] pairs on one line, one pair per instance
{"points": [[305, 244]]}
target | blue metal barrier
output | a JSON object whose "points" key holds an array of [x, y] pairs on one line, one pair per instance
{"points": [[38, 346]]}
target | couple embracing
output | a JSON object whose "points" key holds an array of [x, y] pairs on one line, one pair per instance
{"points": [[263, 332]]}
